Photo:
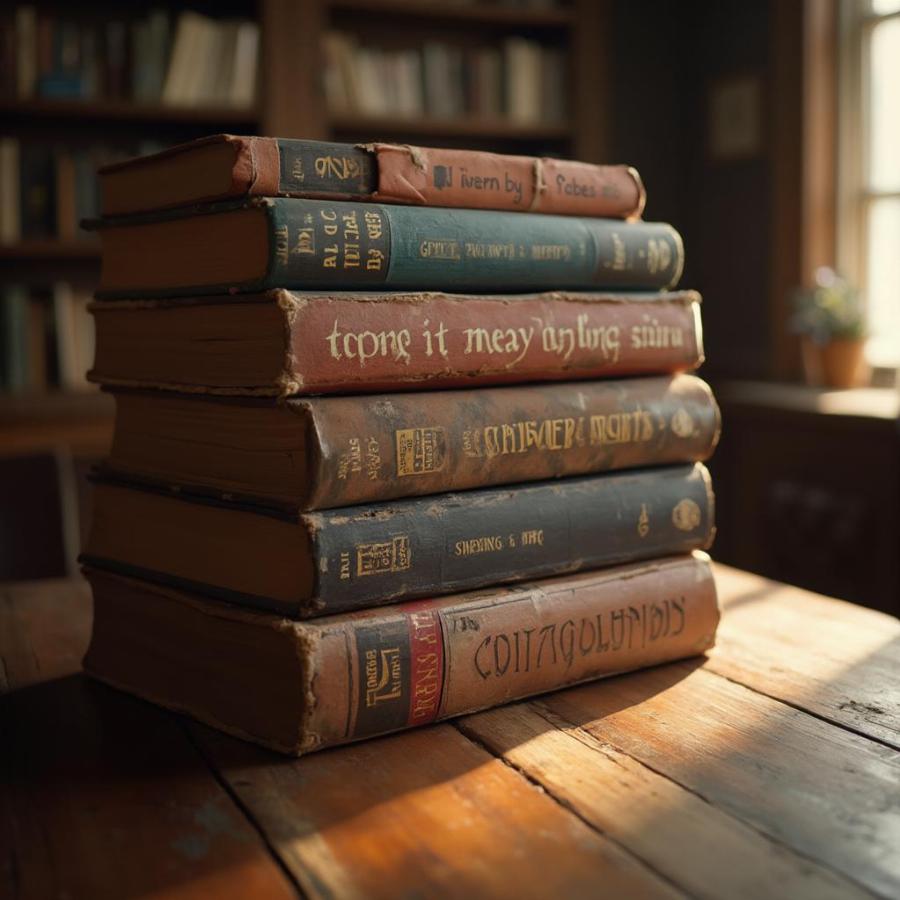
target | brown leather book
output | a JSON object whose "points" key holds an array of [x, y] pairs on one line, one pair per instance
{"points": [[280, 343], [298, 687], [325, 452], [223, 167]]}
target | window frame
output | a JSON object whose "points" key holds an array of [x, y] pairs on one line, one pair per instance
{"points": [[855, 194]]}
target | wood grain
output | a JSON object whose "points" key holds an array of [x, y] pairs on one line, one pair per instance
{"points": [[422, 814], [825, 792], [702, 849], [679, 780], [103, 796], [834, 659]]}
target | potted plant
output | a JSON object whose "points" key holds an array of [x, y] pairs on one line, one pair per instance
{"points": [[831, 322]]}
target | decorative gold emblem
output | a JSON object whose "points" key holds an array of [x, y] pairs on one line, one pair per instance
{"points": [[420, 450], [643, 521], [686, 515], [682, 423], [387, 556], [384, 675]]}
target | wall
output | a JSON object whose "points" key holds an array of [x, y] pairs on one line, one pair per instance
{"points": [[668, 57]]}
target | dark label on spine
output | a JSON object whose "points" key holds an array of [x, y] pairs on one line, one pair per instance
{"points": [[324, 243], [401, 671], [311, 167], [383, 657]]}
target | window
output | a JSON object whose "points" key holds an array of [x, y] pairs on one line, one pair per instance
{"points": [[869, 167]]}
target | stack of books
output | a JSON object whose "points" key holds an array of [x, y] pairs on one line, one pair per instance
{"points": [[401, 433]]}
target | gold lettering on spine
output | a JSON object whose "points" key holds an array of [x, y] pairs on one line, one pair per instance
{"points": [[342, 168], [643, 528], [282, 243], [558, 435], [440, 249], [510, 344]]}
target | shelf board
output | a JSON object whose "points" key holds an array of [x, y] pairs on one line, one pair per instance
{"points": [[38, 422], [55, 406], [475, 14], [501, 129], [50, 249], [125, 111]]}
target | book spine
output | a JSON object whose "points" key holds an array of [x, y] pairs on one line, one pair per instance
{"points": [[317, 168], [430, 176], [341, 344], [455, 542], [458, 178], [409, 444], [317, 244], [419, 662]]}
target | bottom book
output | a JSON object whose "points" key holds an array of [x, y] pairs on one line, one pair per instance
{"points": [[300, 686]]}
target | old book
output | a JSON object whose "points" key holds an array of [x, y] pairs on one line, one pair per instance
{"points": [[304, 564], [314, 244], [278, 343], [323, 452], [297, 687], [522, 58], [223, 166]]}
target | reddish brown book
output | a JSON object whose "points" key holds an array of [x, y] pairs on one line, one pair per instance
{"points": [[325, 452], [298, 687], [280, 343], [222, 167]]}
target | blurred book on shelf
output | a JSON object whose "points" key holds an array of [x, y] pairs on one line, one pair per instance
{"points": [[47, 190], [156, 58], [47, 338], [517, 79]]}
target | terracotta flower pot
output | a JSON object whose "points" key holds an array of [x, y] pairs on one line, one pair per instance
{"points": [[838, 364]]}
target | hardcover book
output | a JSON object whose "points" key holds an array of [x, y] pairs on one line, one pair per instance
{"points": [[224, 166], [303, 564], [324, 452], [320, 245], [298, 687], [279, 343]]}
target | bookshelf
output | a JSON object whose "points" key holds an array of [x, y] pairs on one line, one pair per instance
{"points": [[291, 102], [468, 127]]}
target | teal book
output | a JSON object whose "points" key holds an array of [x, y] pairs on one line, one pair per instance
{"points": [[14, 338], [320, 245]]}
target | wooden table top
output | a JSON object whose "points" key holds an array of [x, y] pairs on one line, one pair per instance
{"points": [[770, 768]]}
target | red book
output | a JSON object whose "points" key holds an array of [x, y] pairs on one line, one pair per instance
{"points": [[280, 343], [228, 167]]}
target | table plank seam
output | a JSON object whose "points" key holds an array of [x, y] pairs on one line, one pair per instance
{"points": [[802, 709], [577, 732], [242, 808], [460, 726]]}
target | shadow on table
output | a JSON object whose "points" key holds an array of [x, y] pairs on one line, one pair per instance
{"points": [[105, 797]]}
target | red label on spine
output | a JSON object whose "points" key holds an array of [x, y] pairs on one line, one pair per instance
{"points": [[426, 662]]}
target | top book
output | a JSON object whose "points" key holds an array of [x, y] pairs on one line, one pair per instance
{"points": [[223, 167]]}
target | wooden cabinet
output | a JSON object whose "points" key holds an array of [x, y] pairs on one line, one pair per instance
{"points": [[808, 488]]}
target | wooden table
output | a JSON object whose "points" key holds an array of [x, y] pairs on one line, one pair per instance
{"points": [[770, 768]]}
